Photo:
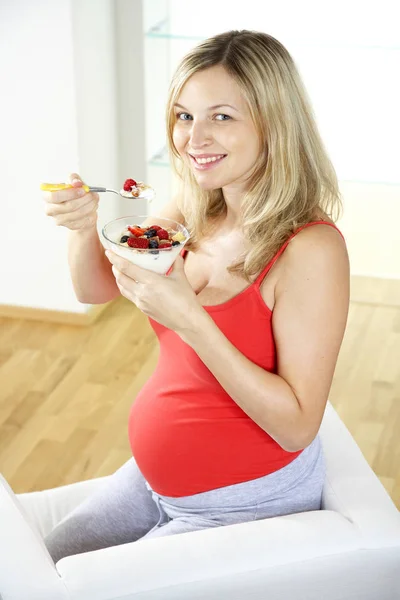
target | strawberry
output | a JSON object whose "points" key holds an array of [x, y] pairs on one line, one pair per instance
{"points": [[138, 242], [137, 231], [156, 227], [140, 231], [162, 234], [129, 184], [164, 244]]}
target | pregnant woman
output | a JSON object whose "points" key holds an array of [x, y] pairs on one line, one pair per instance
{"points": [[250, 319]]}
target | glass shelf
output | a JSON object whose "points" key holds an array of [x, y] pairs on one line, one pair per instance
{"points": [[160, 158], [162, 30]]}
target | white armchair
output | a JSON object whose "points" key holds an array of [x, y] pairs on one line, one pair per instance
{"points": [[350, 550]]}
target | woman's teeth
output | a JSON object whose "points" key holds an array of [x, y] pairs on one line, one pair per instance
{"points": [[203, 161]]}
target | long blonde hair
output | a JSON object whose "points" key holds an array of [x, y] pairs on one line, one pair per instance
{"points": [[293, 176]]}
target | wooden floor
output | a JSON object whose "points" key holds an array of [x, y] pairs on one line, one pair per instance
{"points": [[66, 391]]}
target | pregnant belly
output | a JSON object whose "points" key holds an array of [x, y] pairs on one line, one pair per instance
{"points": [[184, 446]]}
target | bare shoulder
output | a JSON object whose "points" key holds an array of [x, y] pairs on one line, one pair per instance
{"points": [[318, 252], [318, 242]]}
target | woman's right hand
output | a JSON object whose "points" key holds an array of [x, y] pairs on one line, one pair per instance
{"points": [[73, 208]]}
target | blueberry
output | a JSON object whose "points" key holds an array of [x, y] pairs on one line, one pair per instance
{"points": [[124, 239], [151, 233], [175, 243], [153, 244]]}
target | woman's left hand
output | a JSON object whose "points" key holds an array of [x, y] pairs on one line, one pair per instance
{"points": [[170, 300]]}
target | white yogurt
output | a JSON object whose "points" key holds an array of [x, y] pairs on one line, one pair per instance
{"points": [[158, 263], [147, 194]]}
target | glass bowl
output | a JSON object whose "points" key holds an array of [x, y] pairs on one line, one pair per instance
{"points": [[158, 260]]}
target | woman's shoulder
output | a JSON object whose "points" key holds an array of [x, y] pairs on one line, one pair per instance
{"points": [[321, 228], [321, 246], [316, 260]]}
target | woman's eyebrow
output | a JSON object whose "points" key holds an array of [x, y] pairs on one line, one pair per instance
{"points": [[210, 107]]}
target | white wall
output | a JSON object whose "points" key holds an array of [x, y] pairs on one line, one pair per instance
{"points": [[39, 141], [57, 115], [96, 98]]}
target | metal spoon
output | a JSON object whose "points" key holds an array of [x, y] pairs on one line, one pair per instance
{"points": [[147, 194]]}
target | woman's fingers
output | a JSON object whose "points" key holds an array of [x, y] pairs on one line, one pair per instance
{"points": [[75, 180], [63, 195], [60, 208], [72, 207], [77, 215]]}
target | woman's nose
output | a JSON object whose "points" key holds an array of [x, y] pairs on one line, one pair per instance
{"points": [[200, 135]]}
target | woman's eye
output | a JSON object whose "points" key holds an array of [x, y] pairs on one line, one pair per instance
{"points": [[183, 116]]}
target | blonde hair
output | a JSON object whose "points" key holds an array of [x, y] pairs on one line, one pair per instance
{"points": [[293, 176]]}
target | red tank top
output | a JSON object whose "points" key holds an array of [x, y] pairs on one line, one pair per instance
{"points": [[186, 433]]}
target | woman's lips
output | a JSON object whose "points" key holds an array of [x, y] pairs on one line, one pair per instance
{"points": [[207, 165]]}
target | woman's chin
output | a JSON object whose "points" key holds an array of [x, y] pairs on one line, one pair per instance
{"points": [[207, 184], [207, 187]]}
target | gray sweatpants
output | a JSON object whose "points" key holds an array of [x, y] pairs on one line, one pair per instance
{"points": [[125, 509]]}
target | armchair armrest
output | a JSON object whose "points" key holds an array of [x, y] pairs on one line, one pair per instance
{"points": [[148, 565], [27, 571], [353, 489]]}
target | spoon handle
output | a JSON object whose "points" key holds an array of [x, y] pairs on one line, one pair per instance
{"points": [[98, 189], [54, 187]]}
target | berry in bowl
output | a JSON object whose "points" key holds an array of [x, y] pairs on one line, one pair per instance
{"points": [[152, 243]]}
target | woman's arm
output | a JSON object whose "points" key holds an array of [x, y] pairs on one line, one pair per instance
{"points": [[91, 275], [309, 320]]}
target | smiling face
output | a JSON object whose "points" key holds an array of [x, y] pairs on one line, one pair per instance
{"points": [[214, 132]]}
